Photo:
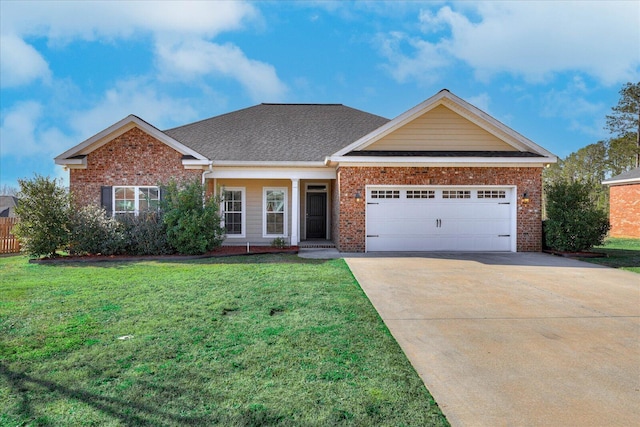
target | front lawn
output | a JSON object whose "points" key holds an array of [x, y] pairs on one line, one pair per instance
{"points": [[261, 340], [621, 253]]}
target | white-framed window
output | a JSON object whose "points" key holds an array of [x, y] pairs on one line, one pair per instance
{"points": [[135, 199], [233, 211], [274, 212]]}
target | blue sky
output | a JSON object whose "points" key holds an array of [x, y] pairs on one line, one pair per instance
{"points": [[550, 70]]}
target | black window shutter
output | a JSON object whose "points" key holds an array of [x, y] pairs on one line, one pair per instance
{"points": [[106, 199]]}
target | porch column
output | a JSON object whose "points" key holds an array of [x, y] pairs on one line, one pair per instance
{"points": [[295, 212]]}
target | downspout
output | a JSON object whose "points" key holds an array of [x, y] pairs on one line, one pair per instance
{"points": [[204, 191]]}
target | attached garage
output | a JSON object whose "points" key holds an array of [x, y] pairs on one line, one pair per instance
{"points": [[440, 218]]}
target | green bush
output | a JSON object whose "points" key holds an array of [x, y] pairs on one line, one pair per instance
{"points": [[145, 234], [573, 223], [44, 216], [92, 232], [193, 227]]}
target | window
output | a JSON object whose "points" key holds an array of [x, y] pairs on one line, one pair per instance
{"points": [[492, 194], [233, 203], [275, 212], [421, 194], [456, 194], [385, 194], [136, 199]]}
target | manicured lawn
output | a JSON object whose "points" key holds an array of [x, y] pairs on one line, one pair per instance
{"points": [[262, 340], [621, 253]]}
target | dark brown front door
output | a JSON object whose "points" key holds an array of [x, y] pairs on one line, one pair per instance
{"points": [[316, 215]]}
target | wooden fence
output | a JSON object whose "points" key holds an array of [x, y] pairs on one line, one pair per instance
{"points": [[8, 242]]}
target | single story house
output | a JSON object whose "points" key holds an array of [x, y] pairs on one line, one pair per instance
{"points": [[442, 176], [624, 204]]}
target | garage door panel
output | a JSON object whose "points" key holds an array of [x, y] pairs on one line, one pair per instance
{"points": [[439, 223]]}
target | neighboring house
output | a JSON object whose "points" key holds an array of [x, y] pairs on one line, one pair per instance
{"points": [[624, 204], [8, 206], [443, 176]]}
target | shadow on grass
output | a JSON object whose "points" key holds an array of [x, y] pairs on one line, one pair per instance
{"points": [[617, 258], [116, 408]]}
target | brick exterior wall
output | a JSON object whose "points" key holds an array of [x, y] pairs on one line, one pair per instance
{"points": [[350, 236], [624, 210], [133, 158]]}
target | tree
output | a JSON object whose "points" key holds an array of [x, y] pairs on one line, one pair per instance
{"points": [[573, 223], [44, 216], [625, 120]]}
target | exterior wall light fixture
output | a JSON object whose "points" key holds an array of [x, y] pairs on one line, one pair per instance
{"points": [[358, 197], [525, 199]]}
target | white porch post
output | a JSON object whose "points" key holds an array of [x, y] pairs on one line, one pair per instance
{"points": [[295, 212]]}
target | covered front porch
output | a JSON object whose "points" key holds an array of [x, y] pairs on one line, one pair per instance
{"points": [[262, 205]]}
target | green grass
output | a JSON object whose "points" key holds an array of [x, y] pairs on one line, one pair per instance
{"points": [[268, 340], [621, 253]]}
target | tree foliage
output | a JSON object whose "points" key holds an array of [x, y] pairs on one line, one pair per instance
{"points": [[193, 226], [573, 223], [44, 216], [625, 118], [596, 162]]}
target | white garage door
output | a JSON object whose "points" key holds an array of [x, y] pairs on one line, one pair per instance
{"points": [[440, 219]]}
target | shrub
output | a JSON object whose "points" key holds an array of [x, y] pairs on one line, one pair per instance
{"points": [[145, 234], [92, 232], [193, 226], [44, 216], [573, 223]]}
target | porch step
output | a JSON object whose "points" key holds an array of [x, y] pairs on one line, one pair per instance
{"points": [[316, 244]]}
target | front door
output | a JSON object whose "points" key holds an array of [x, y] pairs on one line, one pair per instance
{"points": [[316, 215]]}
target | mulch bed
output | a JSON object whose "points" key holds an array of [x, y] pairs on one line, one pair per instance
{"points": [[223, 251], [576, 254]]}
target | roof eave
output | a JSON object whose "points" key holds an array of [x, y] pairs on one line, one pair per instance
{"points": [[439, 161]]}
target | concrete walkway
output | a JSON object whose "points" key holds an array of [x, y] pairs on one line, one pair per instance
{"points": [[514, 339]]}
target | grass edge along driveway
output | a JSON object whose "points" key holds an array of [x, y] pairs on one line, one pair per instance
{"points": [[266, 340]]}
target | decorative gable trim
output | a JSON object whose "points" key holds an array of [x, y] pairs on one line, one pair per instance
{"points": [[459, 106], [76, 157]]}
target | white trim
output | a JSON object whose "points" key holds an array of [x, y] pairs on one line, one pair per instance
{"points": [[285, 229], [460, 106], [513, 201], [273, 173], [136, 200], [243, 200], [445, 162], [119, 128], [622, 181], [295, 212]]}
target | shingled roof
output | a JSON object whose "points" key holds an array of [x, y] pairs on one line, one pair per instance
{"points": [[629, 177], [278, 132]]}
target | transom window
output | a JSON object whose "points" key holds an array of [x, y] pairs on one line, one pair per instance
{"points": [[421, 194], [275, 212], [456, 194], [233, 203], [385, 194], [135, 199], [492, 194]]}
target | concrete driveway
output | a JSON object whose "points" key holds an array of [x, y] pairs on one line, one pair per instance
{"points": [[514, 339]]}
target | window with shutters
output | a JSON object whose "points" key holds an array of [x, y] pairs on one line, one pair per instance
{"points": [[135, 199]]}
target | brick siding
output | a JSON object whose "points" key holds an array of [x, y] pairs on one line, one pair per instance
{"points": [[350, 236], [624, 210], [133, 158]]}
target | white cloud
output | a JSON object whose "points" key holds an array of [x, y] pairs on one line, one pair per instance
{"points": [[178, 28], [481, 101], [23, 135], [20, 63], [197, 58], [533, 40], [131, 96]]}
